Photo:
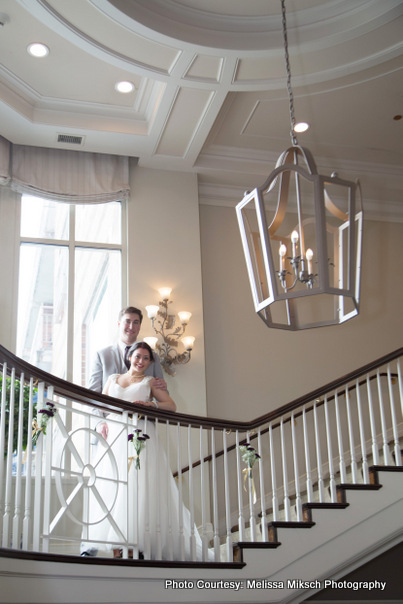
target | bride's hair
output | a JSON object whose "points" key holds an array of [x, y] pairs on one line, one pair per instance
{"points": [[144, 345]]}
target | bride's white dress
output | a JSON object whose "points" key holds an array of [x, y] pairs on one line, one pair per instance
{"points": [[148, 507]]}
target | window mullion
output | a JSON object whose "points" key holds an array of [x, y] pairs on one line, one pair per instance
{"points": [[124, 251], [71, 294]]}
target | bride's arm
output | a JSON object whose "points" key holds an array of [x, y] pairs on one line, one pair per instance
{"points": [[165, 402]]}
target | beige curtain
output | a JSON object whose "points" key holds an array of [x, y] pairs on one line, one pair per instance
{"points": [[5, 147], [68, 176]]}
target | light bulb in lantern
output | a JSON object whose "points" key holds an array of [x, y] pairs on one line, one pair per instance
{"points": [[152, 311], [188, 342], [165, 292], [184, 316], [309, 256], [294, 239], [282, 251]]}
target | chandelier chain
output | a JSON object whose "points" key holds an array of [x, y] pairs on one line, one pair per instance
{"points": [[287, 64]]}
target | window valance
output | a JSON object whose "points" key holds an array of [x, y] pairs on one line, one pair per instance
{"points": [[64, 175]]}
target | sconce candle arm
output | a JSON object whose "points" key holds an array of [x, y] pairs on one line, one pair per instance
{"points": [[162, 323]]}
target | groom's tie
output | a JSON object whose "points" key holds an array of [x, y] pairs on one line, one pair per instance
{"points": [[126, 357]]}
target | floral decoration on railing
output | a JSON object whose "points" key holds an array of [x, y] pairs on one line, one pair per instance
{"points": [[39, 424], [139, 442], [249, 456]]}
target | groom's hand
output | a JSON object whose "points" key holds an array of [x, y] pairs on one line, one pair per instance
{"points": [[160, 384]]}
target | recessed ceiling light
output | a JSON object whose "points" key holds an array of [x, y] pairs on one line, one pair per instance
{"points": [[124, 87], [301, 127], [38, 50]]}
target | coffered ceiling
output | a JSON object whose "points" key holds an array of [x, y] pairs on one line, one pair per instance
{"points": [[210, 86]]}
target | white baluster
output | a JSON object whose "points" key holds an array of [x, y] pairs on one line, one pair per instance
{"points": [[215, 498], [48, 447], [263, 523], [229, 549], [146, 528], [168, 499], [396, 446], [332, 480], [365, 470], [179, 459], [383, 421], [37, 528], [375, 457], [252, 523], [16, 534], [9, 467], [202, 491], [353, 460], [298, 501], [86, 459], [342, 463], [132, 500], [285, 472], [192, 543], [321, 491], [27, 521], [273, 474], [307, 456], [2, 445], [241, 520], [157, 490]]}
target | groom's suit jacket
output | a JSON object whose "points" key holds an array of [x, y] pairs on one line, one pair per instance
{"points": [[110, 360]]}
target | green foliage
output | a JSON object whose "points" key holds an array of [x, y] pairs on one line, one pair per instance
{"points": [[26, 428]]}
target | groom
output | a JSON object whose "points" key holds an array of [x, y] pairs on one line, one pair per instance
{"points": [[113, 359]]}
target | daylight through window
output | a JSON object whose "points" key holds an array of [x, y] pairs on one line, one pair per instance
{"points": [[70, 284]]}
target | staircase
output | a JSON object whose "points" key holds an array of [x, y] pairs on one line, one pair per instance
{"points": [[324, 498]]}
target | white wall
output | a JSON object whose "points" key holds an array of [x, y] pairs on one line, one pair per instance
{"points": [[9, 231], [164, 250], [252, 369]]}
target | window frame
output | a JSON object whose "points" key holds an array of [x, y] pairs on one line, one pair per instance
{"points": [[72, 245]]}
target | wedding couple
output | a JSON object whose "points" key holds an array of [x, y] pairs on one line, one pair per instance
{"points": [[130, 371]]}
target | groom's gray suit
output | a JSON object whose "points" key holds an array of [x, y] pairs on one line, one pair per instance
{"points": [[110, 360]]}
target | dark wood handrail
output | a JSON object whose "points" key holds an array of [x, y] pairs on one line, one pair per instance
{"points": [[253, 435], [85, 396]]}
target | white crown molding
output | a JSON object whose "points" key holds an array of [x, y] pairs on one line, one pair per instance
{"points": [[260, 162], [228, 196], [257, 165]]}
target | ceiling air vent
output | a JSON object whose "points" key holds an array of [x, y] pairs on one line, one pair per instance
{"points": [[70, 139]]}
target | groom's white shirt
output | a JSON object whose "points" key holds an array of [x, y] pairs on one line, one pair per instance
{"points": [[110, 360]]}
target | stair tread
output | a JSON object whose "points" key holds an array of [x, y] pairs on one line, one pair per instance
{"points": [[290, 524], [359, 487], [258, 544], [325, 506], [386, 468]]}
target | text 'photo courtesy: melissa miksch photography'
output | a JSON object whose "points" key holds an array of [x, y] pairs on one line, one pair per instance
{"points": [[253, 584]]}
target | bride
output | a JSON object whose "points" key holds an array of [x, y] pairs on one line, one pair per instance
{"points": [[161, 524]]}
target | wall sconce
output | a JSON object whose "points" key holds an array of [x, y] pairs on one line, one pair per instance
{"points": [[164, 326]]}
